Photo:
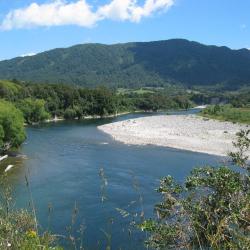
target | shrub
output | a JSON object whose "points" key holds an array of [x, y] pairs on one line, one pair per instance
{"points": [[210, 210]]}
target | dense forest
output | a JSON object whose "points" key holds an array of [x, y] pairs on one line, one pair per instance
{"points": [[41, 101], [161, 63]]}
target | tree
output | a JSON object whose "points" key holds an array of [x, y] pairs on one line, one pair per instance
{"points": [[9, 90], [33, 110], [12, 132], [210, 210], [69, 114], [104, 102], [183, 102]]}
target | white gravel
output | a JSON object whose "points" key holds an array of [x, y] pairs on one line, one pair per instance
{"points": [[189, 132]]}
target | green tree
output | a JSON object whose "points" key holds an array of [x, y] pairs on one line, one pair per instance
{"points": [[33, 110], [105, 102], [12, 132], [70, 114], [9, 90]]}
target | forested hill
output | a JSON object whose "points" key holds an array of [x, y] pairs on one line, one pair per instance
{"points": [[134, 64]]}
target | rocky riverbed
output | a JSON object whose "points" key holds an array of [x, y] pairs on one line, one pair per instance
{"points": [[188, 132]]}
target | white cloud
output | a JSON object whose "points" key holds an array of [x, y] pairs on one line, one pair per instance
{"points": [[62, 12], [55, 13], [29, 54], [131, 11]]}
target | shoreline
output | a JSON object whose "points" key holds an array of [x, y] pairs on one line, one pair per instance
{"points": [[184, 132], [90, 117]]}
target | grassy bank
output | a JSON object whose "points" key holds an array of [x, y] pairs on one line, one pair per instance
{"points": [[227, 113], [19, 229]]}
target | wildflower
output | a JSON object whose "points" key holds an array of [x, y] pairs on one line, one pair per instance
{"points": [[31, 234]]}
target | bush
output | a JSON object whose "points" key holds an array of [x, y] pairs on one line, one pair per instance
{"points": [[210, 210]]}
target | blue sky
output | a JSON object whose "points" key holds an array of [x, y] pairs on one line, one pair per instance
{"points": [[32, 26]]}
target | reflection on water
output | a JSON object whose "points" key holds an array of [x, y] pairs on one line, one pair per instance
{"points": [[63, 165]]}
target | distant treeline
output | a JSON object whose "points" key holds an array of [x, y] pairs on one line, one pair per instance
{"points": [[41, 101]]}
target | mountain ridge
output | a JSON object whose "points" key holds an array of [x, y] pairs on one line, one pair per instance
{"points": [[134, 64]]}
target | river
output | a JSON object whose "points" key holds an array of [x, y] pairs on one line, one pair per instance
{"points": [[63, 168]]}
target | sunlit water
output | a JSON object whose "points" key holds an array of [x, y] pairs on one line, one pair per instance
{"points": [[63, 164]]}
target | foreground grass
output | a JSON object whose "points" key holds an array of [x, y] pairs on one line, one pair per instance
{"points": [[227, 113], [18, 227], [18, 231]]}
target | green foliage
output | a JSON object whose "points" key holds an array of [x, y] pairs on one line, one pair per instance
{"points": [[9, 90], [183, 102], [12, 132], [33, 110], [211, 210], [227, 113], [17, 231], [72, 102], [240, 99], [105, 102], [160, 100], [69, 113], [36, 101], [1, 136], [242, 144], [134, 65], [18, 228]]}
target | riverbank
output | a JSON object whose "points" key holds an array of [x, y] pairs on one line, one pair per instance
{"points": [[188, 132], [89, 117], [93, 117], [227, 113]]}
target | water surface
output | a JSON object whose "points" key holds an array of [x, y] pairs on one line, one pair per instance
{"points": [[63, 166]]}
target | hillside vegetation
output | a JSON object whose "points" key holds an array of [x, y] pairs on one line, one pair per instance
{"points": [[227, 113], [159, 63]]}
